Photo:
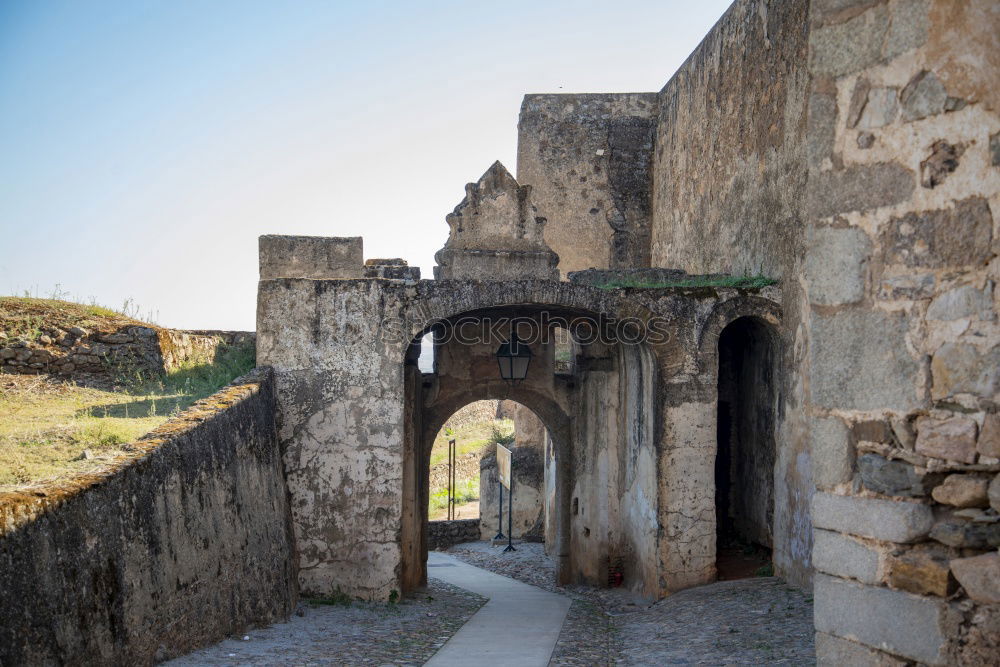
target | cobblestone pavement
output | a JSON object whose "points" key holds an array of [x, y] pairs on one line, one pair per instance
{"points": [[759, 621], [408, 633]]}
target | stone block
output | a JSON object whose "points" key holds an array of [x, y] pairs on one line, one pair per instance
{"points": [[989, 436], [860, 362], [835, 265], [314, 257], [943, 160], [962, 534], [836, 652], [955, 237], [908, 26], [922, 572], [879, 110], [859, 188], [993, 493], [825, 12], [915, 286], [391, 269], [822, 128], [965, 301], [848, 47], [958, 368], [962, 491], [953, 439], [923, 96], [859, 98], [907, 625], [979, 576], [872, 430], [894, 478], [832, 454], [889, 520], [843, 556], [995, 149]]}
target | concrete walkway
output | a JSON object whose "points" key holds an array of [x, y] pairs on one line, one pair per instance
{"points": [[519, 625]]}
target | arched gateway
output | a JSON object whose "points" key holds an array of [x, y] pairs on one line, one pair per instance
{"points": [[633, 424]]}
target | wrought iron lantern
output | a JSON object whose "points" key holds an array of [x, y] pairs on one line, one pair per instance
{"points": [[513, 358]]}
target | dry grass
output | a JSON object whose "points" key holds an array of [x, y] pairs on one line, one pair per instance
{"points": [[22, 317], [472, 437], [46, 422]]}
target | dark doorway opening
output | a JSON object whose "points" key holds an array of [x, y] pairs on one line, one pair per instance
{"points": [[744, 465]]}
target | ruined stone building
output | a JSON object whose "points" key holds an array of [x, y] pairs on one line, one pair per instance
{"points": [[840, 409]]}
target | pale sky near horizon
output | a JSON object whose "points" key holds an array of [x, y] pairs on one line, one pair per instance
{"points": [[144, 146]]}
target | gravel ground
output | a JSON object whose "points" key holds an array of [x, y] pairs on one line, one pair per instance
{"points": [[760, 621], [408, 633]]}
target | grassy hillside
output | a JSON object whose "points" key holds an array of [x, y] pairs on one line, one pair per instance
{"points": [[24, 318]]}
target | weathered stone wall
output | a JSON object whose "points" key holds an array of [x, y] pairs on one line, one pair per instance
{"points": [[728, 181], [443, 534], [318, 257], [181, 544], [528, 519], [588, 160], [115, 354], [903, 347], [357, 417], [339, 387]]}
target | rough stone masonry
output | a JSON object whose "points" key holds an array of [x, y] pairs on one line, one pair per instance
{"points": [[846, 150]]}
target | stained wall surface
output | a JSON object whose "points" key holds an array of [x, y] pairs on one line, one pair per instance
{"points": [[903, 359], [851, 149], [729, 176], [587, 159], [179, 547]]}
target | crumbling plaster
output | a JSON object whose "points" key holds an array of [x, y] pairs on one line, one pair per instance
{"points": [[342, 393]]}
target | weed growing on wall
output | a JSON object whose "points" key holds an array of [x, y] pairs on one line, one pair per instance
{"points": [[758, 281]]}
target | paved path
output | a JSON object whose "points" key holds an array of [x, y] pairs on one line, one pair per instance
{"points": [[519, 625]]}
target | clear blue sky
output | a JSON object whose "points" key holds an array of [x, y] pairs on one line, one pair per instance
{"points": [[144, 146]]}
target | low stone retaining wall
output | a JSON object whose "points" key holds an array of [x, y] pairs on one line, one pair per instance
{"points": [[443, 534], [183, 542], [107, 352]]}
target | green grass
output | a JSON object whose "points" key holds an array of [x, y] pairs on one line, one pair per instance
{"points": [[466, 490], [740, 282], [47, 423]]}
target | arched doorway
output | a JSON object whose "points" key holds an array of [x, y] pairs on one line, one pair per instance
{"points": [[745, 460], [464, 370]]}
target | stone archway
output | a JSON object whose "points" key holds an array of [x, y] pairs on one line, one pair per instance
{"points": [[465, 373], [558, 424]]}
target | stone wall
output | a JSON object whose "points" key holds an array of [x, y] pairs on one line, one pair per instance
{"points": [[901, 334], [113, 354], [729, 177], [443, 534], [527, 521], [588, 161], [851, 150], [181, 544]]}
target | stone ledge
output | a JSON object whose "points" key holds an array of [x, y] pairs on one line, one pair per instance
{"points": [[887, 520], [908, 625]]}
